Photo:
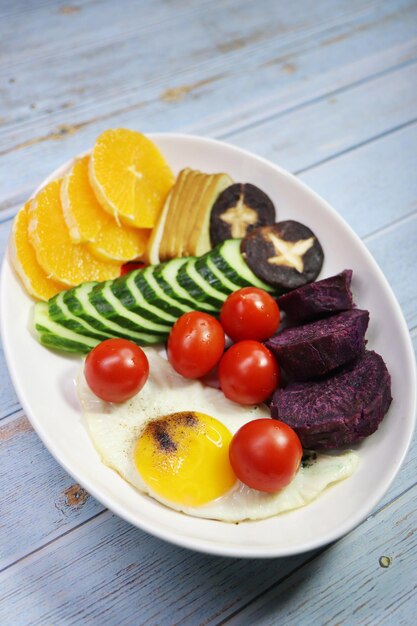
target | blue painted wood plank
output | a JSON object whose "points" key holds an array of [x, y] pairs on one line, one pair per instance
{"points": [[74, 21], [308, 135], [140, 90], [172, 584], [9, 402], [373, 185], [197, 98], [379, 587], [122, 566], [396, 253], [124, 40], [124, 569], [34, 485]]}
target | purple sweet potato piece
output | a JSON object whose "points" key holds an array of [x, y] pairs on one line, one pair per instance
{"points": [[316, 300], [316, 348], [338, 410]]}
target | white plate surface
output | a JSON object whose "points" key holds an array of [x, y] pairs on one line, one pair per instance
{"points": [[44, 382]]}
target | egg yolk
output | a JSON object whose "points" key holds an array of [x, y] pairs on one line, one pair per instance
{"points": [[184, 457]]}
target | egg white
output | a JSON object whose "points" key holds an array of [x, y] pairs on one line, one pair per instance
{"points": [[115, 429]]}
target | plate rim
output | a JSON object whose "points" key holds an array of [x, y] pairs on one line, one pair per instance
{"points": [[198, 544]]}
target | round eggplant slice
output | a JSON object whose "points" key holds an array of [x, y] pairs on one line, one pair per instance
{"points": [[237, 210], [286, 254]]}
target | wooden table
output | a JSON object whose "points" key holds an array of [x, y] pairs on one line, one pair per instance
{"points": [[326, 89]]}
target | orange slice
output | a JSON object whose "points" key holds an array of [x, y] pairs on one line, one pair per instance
{"points": [[130, 177], [61, 259], [23, 256], [88, 222]]}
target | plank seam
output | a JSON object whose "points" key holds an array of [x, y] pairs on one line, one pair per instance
{"points": [[320, 551], [347, 18], [51, 541], [14, 201], [298, 107], [389, 227], [218, 66], [313, 558], [360, 144], [274, 584], [10, 417]]}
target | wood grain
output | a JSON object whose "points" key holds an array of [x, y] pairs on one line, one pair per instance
{"points": [[344, 582], [381, 36], [326, 89], [392, 535]]}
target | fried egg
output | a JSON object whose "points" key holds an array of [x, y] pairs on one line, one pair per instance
{"points": [[171, 442]]}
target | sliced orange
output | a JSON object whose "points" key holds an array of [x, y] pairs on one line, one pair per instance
{"points": [[61, 259], [89, 223], [130, 177], [23, 256]]}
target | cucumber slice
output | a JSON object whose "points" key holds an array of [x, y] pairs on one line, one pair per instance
{"points": [[229, 260], [212, 275], [195, 285], [136, 295], [59, 313], [146, 298], [145, 282], [167, 277], [57, 337], [80, 305], [143, 305], [117, 310]]}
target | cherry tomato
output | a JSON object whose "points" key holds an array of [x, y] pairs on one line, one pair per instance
{"points": [[130, 266], [248, 372], [116, 369], [195, 344], [265, 454], [250, 313]]}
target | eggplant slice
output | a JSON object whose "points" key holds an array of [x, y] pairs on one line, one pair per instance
{"points": [[286, 255]]}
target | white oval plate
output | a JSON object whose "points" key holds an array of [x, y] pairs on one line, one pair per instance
{"points": [[44, 382]]}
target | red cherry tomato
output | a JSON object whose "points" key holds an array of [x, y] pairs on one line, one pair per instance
{"points": [[130, 266], [250, 313], [265, 454], [248, 372], [195, 344], [116, 369]]}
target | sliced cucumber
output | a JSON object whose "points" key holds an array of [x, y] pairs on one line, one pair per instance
{"points": [[79, 303], [59, 313], [57, 337], [212, 275], [146, 283], [142, 292], [143, 305], [166, 275], [189, 278], [229, 260], [120, 311]]}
